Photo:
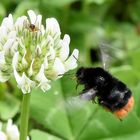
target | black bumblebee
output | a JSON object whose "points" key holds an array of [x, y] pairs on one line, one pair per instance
{"points": [[110, 92]]}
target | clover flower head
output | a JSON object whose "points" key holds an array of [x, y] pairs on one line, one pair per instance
{"points": [[35, 54], [11, 132]]}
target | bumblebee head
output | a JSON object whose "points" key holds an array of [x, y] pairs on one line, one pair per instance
{"points": [[80, 74]]}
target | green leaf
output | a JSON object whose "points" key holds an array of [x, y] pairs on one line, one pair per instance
{"points": [[133, 136], [40, 135], [9, 106], [109, 126]]}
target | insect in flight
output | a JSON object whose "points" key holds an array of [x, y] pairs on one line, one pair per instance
{"points": [[110, 93]]}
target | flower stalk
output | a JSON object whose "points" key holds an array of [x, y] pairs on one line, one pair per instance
{"points": [[24, 116]]}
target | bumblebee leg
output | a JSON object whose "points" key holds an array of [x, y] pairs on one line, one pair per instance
{"points": [[94, 101], [120, 119], [77, 86]]}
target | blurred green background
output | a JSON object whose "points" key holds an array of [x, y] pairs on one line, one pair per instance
{"points": [[88, 22]]}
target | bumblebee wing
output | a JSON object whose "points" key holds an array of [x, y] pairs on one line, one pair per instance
{"points": [[81, 100], [105, 57], [84, 96], [88, 95], [109, 54]]}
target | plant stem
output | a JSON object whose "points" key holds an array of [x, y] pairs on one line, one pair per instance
{"points": [[24, 116], [87, 35]]}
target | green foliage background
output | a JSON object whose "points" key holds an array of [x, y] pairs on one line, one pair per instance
{"points": [[88, 22]]}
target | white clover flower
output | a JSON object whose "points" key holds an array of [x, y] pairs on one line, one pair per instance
{"points": [[11, 132], [34, 54]]}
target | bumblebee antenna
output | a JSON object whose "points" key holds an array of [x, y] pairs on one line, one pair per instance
{"points": [[76, 59], [66, 74]]}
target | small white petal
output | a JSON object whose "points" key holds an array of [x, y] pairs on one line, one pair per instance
{"points": [[32, 16], [20, 22], [15, 60], [71, 62], [38, 21], [50, 41], [38, 50], [30, 73], [45, 62], [25, 84], [3, 136], [42, 30], [21, 44], [41, 76], [64, 52], [44, 42], [52, 26], [51, 53], [58, 68], [2, 59], [24, 61], [44, 82], [7, 46], [14, 47], [14, 63], [12, 35], [44, 86], [3, 32], [28, 138], [8, 22], [9, 124], [12, 131]]}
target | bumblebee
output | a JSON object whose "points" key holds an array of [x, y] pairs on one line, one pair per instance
{"points": [[110, 93]]}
